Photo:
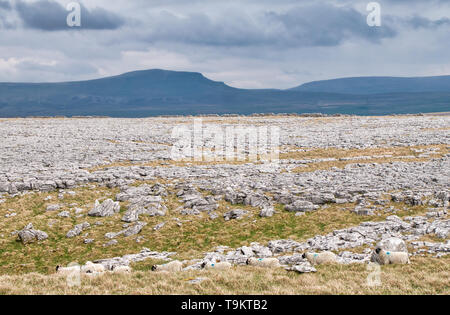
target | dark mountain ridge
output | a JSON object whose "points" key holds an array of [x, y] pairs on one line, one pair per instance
{"points": [[378, 85], [162, 92]]}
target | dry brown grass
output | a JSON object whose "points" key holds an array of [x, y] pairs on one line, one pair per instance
{"points": [[338, 153], [159, 163], [342, 164], [435, 129], [398, 154], [432, 238], [423, 276], [181, 163], [196, 235], [378, 155]]}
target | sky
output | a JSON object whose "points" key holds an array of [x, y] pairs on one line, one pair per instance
{"points": [[245, 43]]}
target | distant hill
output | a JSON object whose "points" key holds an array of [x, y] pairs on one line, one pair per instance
{"points": [[378, 85], [161, 92]]}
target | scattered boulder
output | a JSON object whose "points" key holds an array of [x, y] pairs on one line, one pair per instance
{"points": [[292, 259], [267, 211], [145, 253], [235, 214], [347, 257], [78, 229], [322, 199], [159, 226], [105, 209], [302, 268], [197, 280], [235, 198], [213, 215], [134, 229], [134, 211], [363, 211], [282, 246], [30, 235], [260, 251], [301, 206], [64, 214], [53, 208], [257, 200], [110, 243]]}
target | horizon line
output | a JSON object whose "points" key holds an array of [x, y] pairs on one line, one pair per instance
{"points": [[196, 72]]}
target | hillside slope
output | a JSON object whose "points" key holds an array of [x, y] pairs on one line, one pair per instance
{"points": [[378, 85], [161, 92]]}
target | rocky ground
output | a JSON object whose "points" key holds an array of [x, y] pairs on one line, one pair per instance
{"points": [[106, 190]]}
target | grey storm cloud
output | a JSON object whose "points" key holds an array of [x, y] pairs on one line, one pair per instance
{"points": [[48, 15], [5, 8], [417, 22], [311, 25], [320, 24], [5, 5], [246, 43], [327, 25], [421, 22], [70, 66]]}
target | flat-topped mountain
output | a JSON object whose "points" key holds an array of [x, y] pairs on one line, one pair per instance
{"points": [[162, 92]]}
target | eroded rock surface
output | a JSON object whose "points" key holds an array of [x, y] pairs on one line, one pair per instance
{"points": [[383, 165], [107, 208], [30, 235]]}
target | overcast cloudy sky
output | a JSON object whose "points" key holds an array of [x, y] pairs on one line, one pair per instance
{"points": [[246, 43]]}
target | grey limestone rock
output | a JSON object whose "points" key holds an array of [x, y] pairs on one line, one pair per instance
{"points": [[53, 208], [302, 268], [105, 209], [78, 229], [64, 214], [110, 263], [301, 206], [267, 212], [235, 214], [30, 235], [159, 226]]}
